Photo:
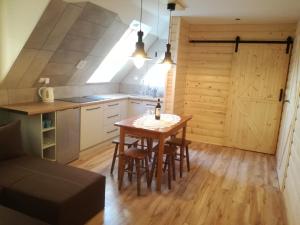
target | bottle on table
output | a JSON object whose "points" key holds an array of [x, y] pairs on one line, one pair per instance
{"points": [[157, 110]]}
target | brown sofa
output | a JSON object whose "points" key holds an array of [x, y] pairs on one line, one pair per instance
{"points": [[48, 191]]}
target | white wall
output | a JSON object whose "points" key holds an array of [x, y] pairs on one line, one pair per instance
{"points": [[18, 19]]}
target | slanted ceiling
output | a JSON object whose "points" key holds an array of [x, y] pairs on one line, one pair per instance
{"points": [[65, 34]]}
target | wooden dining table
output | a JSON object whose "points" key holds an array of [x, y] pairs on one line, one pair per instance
{"points": [[127, 128]]}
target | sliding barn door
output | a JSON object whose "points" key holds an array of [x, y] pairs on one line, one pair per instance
{"points": [[258, 74]]}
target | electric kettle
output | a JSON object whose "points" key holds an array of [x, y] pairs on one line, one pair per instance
{"points": [[46, 94]]}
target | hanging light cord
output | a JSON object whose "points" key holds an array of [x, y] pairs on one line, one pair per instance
{"points": [[141, 15], [170, 25], [157, 25]]}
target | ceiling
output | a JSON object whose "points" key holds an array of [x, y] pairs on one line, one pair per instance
{"points": [[209, 11]]}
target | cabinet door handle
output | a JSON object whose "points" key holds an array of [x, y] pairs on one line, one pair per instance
{"points": [[112, 116], [281, 95], [113, 105], [135, 103], [114, 130], [150, 105], [93, 109]]}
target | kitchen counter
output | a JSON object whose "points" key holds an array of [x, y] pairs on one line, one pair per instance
{"points": [[35, 108]]}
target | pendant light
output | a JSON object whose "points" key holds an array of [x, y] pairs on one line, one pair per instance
{"points": [[139, 55], [168, 57]]}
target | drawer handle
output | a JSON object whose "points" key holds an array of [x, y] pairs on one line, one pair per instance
{"points": [[112, 116], [114, 130], [93, 109], [150, 105], [113, 105], [136, 103]]}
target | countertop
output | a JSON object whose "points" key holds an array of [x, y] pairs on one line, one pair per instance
{"points": [[35, 108]]}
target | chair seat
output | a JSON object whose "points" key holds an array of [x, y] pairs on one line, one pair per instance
{"points": [[178, 142], [167, 149], [128, 141], [136, 153]]}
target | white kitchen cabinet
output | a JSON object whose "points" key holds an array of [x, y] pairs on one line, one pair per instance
{"points": [[112, 114], [139, 107], [92, 131], [124, 109], [135, 108]]}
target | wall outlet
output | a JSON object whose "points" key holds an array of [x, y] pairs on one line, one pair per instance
{"points": [[44, 80]]}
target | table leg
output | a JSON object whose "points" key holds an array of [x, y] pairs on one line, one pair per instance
{"points": [[121, 166], [182, 149], [159, 163]]}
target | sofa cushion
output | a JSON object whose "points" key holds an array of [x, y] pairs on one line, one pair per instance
{"points": [[10, 140], [11, 217], [54, 193]]}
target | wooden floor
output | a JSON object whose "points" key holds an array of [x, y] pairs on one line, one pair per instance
{"points": [[224, 187]]}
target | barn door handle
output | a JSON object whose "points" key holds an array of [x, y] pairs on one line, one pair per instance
{"points": [[281, 94]]}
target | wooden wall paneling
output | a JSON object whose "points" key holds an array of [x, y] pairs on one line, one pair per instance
{"points": [[250, 31], [207, 89], [181, 68], [288, 153], [289, 112], [208, 76], [254, 113]]}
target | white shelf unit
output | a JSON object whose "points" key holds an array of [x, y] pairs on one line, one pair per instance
{"points": [[48, 136], [37, 139]]}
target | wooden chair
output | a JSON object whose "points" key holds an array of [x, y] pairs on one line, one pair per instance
{"points": [[169, 152], [177, 142], [137, 156], [129, 142]]}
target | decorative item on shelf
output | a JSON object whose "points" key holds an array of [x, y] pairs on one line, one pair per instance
{"points": [[47, 123], [139, 55], [157, 110], [167, 61]]}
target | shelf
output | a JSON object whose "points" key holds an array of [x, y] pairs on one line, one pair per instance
{"points": [[48, 129], [48, 145], [49, 153]]}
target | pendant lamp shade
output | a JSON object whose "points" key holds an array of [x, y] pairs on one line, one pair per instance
{"points": [[139, 56], [168, 56]]}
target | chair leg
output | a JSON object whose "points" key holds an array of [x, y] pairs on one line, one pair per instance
{"points": [[130, 169], [169, 173], [187, 157], [166, 163], [181, 161], [114, 159], [152, 169], [173, 165], [147, 172], [138, 176]]}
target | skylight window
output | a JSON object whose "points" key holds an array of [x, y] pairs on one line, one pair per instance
{"points": [[118, 55]]}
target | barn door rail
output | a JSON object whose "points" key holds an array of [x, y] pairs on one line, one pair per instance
{"points": [[289, 42]]}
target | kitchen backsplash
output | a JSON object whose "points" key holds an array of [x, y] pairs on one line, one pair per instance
{"points": [[138, 89], [13, 96]]}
